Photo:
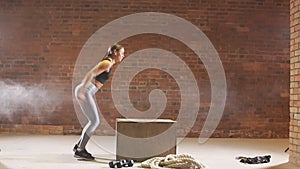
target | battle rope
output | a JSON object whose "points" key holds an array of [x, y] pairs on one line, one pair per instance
{"points": [[182, 161]]}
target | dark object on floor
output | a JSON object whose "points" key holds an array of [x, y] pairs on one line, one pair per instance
{"points": [[287, 149], [255, 160], [114, 164], [121, 163], [127, 163]]}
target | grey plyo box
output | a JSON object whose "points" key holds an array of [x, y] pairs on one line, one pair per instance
{"points": [[141, 139]]}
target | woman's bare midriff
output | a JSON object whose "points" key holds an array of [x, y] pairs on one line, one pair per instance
{"points": [[98, 84]]}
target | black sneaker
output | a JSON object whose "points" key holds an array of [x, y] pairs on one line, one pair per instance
{"points": [[84, 155], [75, 147]]}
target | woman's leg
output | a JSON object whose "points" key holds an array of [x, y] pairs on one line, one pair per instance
{"points": [[89, 109]]}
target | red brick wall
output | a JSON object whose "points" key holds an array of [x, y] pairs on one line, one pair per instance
{"points": [[294, 84], [41, 40]]}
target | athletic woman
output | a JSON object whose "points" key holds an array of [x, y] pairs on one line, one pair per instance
{"points": [[85, 91]]}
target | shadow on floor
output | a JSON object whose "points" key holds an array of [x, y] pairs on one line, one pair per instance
{"points": [[284, 166]]}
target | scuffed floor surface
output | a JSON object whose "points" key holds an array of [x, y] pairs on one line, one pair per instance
{"points": [[55, 152]]}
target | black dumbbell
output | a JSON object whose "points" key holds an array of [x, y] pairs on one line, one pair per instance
{"points": [[121, 163], [114, 164], [127, 163]]}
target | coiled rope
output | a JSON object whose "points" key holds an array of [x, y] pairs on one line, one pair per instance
{"points": [[183, 161]]}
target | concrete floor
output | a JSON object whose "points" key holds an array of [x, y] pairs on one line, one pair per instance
{"points": [[50, 152]]}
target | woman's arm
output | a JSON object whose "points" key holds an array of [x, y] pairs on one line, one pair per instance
{"points": [[98, 69]]}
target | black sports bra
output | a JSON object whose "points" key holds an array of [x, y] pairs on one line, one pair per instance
{"points": [[104, 76]]}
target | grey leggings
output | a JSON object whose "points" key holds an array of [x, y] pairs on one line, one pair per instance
{"points": [[90, 110]]}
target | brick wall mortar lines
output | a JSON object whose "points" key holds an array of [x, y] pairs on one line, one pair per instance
{"points": [[254, 55], [294, 86]]}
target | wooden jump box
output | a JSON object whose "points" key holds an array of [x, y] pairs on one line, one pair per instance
{"points": [[141, 139]]}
